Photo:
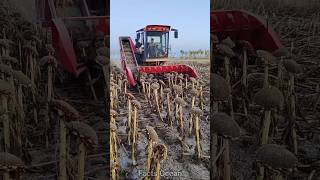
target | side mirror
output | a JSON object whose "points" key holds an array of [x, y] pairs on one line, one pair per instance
{"points": [[138, 36], [176, 34]]}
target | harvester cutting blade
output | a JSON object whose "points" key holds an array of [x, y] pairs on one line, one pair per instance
{"points": [[179, 68]]}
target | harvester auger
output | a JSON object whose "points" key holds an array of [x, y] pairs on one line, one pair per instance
{"points": [[79, 32], [149, 54]]}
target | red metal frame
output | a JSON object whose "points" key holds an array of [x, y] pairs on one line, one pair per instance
{"points": [[243, 25], [64, 47], [160, 28], [130, 77], [61, 39], [127, 71], [102, 25], [179, 68]]}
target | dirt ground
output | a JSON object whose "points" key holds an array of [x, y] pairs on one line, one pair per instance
{"points": [[44, 160], [187, 167]]}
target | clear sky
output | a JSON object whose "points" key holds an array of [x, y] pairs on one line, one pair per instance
{"points": [[190, 17]]}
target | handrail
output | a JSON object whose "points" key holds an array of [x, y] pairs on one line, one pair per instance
{"points": [[86, 18]]}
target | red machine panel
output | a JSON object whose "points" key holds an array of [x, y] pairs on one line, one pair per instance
{"points": [[62, 39], [179, 68], [243, 25]]}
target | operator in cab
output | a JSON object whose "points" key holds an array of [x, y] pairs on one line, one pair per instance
{"points": [[152, 49], [139, 51]]}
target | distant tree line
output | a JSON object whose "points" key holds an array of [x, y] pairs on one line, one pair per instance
{"points": [[194, 54]]}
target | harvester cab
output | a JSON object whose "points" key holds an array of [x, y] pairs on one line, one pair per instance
{"points": [[152, 44], [149, 54]]}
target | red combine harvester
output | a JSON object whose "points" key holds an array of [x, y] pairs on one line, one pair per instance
{"points": [[243, 25], [76, 26], [149, 54]]}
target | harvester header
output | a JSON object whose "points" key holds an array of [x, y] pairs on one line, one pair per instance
{"points": [[243, 25]]}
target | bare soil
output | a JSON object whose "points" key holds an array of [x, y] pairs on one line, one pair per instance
{"points": [[185, 168]]}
